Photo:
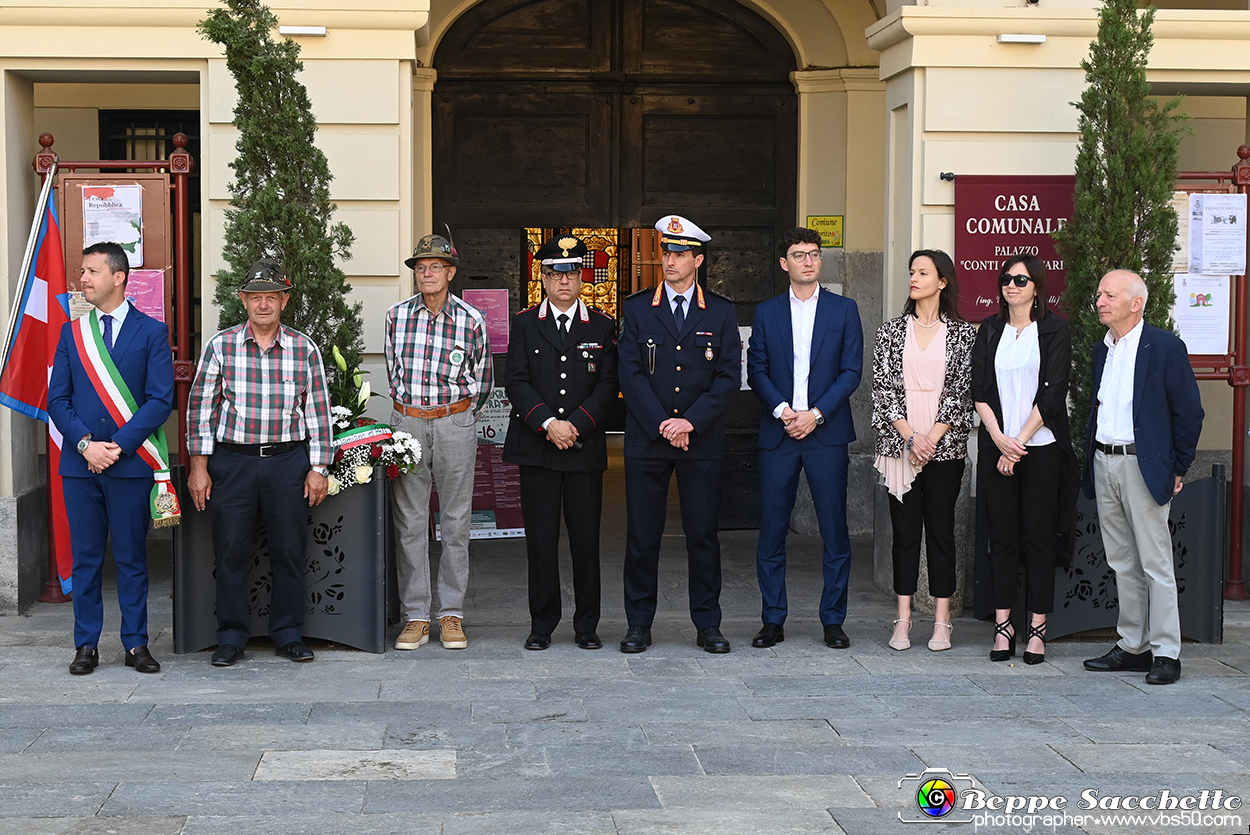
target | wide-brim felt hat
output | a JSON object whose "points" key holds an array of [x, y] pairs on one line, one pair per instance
{"points": [[266, 276], [434, 246]]}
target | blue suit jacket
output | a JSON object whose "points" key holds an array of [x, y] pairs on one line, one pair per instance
{"points": [[142, 355], [1167, 411], [837, 364]]}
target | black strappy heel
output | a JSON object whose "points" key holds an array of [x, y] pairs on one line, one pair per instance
{"points": [[1038, 631], [1001, 629]]}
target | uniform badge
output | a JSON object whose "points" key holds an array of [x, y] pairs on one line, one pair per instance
{"points": [[456, 357], [708, 353], [674, 226], [165, 502]]}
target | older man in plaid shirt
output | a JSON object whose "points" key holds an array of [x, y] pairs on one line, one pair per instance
{"points": [[439, 363], [259, 438]]}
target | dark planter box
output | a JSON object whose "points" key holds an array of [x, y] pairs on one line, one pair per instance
{"points": [[350, 594], [1085, 594]]}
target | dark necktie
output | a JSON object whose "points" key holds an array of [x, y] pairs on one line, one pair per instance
{"points": [[108, 332], [563, 319], [680, 312]]}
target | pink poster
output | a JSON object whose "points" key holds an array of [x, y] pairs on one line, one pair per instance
{"points": [[146, 290], [493, 305]]}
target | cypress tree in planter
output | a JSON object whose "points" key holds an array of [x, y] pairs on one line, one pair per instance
{"points": [[281, 191], [1125, 172]]}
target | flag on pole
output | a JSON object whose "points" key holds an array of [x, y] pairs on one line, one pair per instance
{"points": [[42, 308]]}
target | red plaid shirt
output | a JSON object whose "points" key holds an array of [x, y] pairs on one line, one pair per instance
{"points": [[439, 359], [245, 395]]}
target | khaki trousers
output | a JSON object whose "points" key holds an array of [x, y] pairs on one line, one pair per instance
{"points": [[1139, 548]]}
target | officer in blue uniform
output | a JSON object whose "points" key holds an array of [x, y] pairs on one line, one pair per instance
{"points": [[561, 381], [680, 367]]}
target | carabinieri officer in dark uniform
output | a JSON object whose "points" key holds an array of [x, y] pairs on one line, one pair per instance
{"points": [[680, 366], [561, 380]]}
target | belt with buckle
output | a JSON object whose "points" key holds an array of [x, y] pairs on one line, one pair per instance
{"points": [[265, 450], [434, 411], [1116, 449]]}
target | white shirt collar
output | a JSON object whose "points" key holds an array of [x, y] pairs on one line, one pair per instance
{"points": [[1131, 338], [118, 313]]}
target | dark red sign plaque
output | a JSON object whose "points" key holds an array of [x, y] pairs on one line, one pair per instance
{"points": [[999, 216]]}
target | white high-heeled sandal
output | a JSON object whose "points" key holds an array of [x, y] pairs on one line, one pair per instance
{"points": [[905, 643], [934, 644]]}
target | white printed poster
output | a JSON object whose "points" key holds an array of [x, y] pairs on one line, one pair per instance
{"points": [[114, 213], [1202, 312], [1217, 234]]}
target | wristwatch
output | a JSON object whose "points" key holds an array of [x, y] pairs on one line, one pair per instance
{"points": [[820, 419], [321, 471], [84, 443]]}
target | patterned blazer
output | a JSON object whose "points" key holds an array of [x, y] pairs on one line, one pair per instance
{"points": [[889, 399]]}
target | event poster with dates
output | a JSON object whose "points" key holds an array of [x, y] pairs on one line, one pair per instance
{"points": [[496, 483]]}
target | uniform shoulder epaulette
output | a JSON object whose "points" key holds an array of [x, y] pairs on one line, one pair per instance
{"points": [[600, 312], [528, 309]]}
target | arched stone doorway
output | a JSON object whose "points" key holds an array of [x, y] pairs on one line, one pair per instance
{"points": [[612, 113]]}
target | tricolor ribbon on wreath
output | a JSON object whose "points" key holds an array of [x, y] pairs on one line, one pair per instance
{"points": [[116, 396]]}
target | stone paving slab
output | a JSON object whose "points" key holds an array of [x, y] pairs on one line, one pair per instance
{"points": [[230, 714], [691, 822], [356, 765], [809, 732], [951, 730], [137, 825], [71, 740], [1151, 729], [428, 711], [144, 766], [1034, 758], [788, 758], [16, 740], [258, 738], [63, 692], [1107, 758], [816, 707], [173, 692], [522, 793], [534, 710], [53, 798], [532, 823], [863, 684], [329, 824], [756, 793], [37, 826], [613, 736], [238, 798], [406, 733]]}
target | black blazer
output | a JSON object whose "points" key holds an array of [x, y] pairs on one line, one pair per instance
{"points": [[1055, 345], [569, 377]]}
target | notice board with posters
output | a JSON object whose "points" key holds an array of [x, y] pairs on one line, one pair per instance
{"points": [[151, 286], [997, 216], [496, 510]]}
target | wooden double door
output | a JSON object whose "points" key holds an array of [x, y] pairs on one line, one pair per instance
{"points": [[611, 114]]}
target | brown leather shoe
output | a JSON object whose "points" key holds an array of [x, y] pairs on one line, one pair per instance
{"points": [[84, 662], [142, 660]]}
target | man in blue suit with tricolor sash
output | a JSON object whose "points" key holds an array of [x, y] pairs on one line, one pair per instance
{"points": [[111, 390], [805, 359]]}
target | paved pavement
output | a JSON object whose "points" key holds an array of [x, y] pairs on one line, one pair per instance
{"points": [[494, 739]]}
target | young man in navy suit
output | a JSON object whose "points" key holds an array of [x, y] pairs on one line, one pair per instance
{"points": [[108, 486], [1142, 435], [805, 359]]}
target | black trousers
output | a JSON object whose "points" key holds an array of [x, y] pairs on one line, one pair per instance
{"points": [[929, 506], [1023, 511], [646, 502], [543, 492], [247, 489]]}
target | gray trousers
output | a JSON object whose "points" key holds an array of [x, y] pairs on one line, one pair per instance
{"points": [[448, 458], [1139, 547]]}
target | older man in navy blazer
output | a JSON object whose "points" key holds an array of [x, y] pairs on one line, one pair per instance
{"points": [[1142, 435], [107, 485], [805, 359]]}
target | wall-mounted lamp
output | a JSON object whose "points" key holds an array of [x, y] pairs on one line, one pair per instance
{"points": [[1022, 39], [312, 31]]}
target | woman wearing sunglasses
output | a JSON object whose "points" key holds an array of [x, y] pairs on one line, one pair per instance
{"points": [[922, 411], [1020, 367]]}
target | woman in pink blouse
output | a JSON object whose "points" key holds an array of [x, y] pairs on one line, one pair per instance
{"points": [[922, 412]]}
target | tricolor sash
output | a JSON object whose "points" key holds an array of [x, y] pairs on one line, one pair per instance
{"points": [[116, 396]]}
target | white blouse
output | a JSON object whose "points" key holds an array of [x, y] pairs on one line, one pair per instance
{"points": [[1016, 364]]}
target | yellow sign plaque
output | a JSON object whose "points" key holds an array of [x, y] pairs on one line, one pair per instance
{"points": [[829, 227]]}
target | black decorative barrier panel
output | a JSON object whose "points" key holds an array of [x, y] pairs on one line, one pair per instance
{"points": [[1085, 594], [350, 594]]}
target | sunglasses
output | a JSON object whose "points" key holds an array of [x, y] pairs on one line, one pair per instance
{"points": [[1007, 278]]}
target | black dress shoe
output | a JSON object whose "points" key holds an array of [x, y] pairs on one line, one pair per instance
{"points": [[296, 651], [142, 661], [589, 640], [637, 639], [1118, 660], [770, 635], [538, 640], [711, 640], [86, 660], [835, 636], [1164, 671], [226, 655]]}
